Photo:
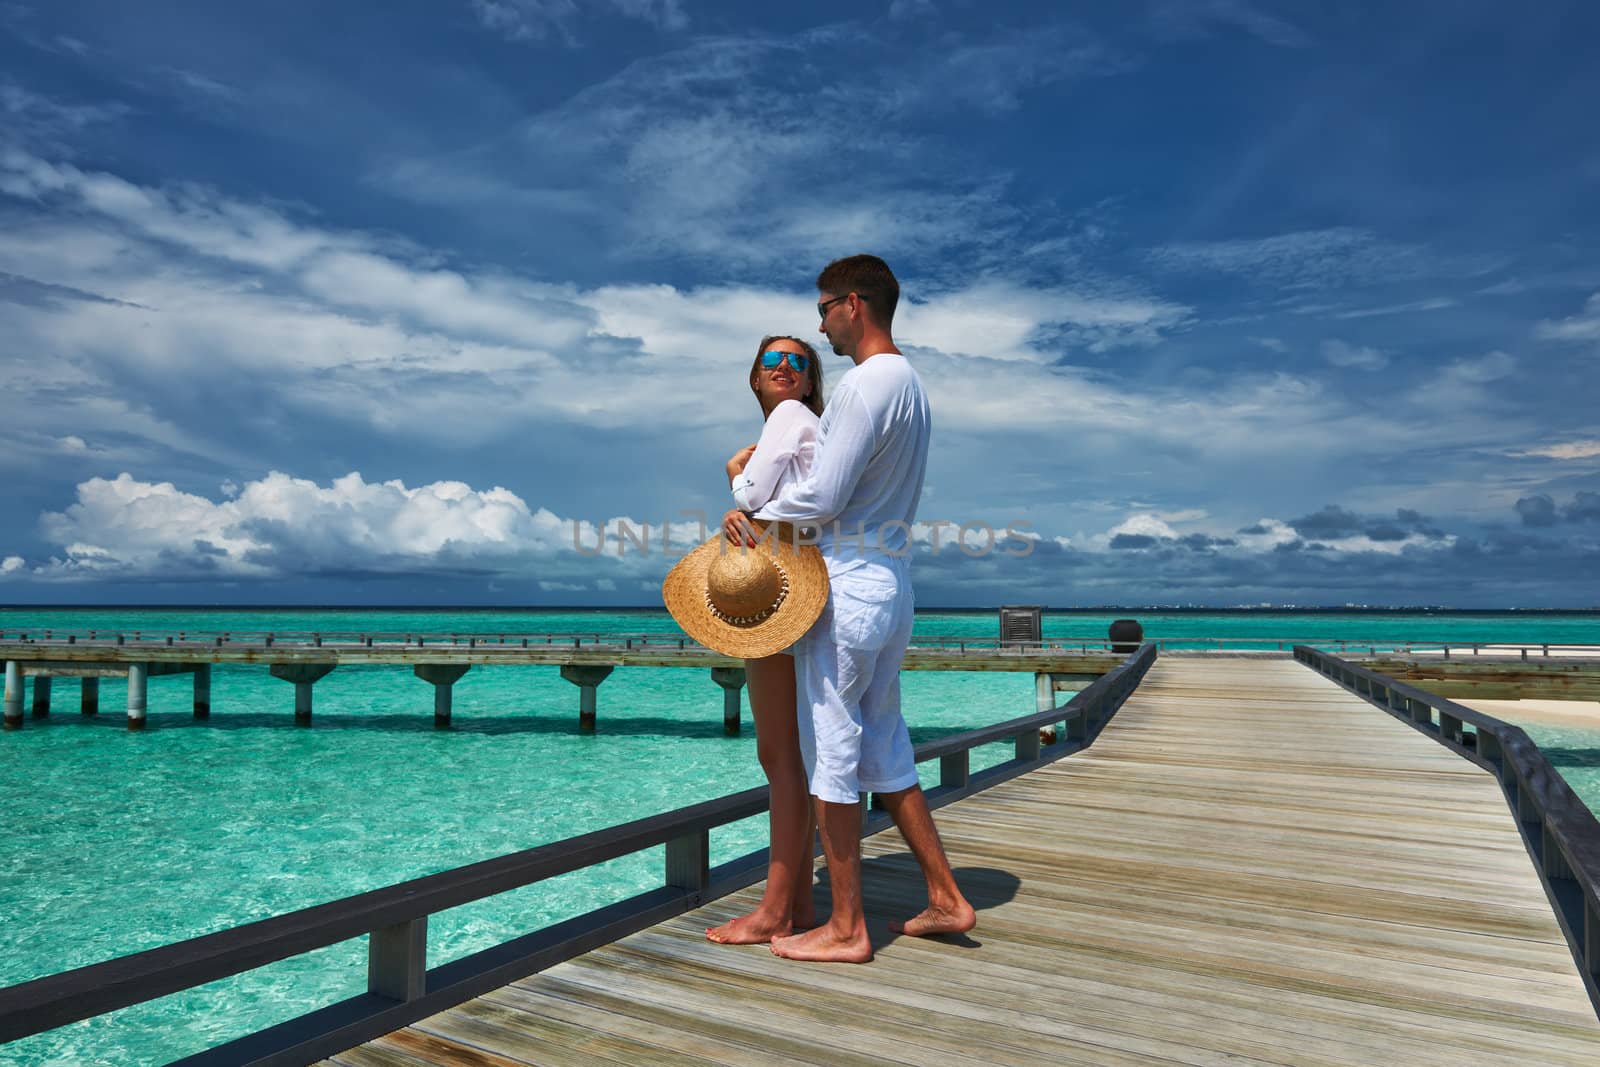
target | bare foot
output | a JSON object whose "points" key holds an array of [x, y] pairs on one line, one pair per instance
{"points": [[932, 920], [823, 945], [752, 929], [804, 918]]}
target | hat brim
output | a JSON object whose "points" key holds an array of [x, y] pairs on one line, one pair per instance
{"points": [[684, 591]]}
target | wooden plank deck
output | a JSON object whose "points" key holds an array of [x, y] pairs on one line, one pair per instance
{"points": [[1250, 866]]}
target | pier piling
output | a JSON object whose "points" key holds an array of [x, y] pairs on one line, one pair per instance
{"points": [[732, 681], [304, 676], [15, 679], [138, 679], [41, 696], [202, 690], [587, 678], [89, 696], [443, 676]]}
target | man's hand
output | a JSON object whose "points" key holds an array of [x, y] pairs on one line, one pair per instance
{"points": [[737, 529], [739, 461]]}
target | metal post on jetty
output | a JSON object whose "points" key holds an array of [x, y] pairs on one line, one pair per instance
{"points": [[732, 681], [304, 676], [587, 678], [443, 676]]}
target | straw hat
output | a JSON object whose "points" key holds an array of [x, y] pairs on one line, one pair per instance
{"points": [[748, 602]]}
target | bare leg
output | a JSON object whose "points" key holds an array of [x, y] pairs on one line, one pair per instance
{"points": [[948, 911], [787, 903], [843, 938]]}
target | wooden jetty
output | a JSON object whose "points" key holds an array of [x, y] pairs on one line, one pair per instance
{"points": [[1250, 866], [584, 659], [1250, 860]]}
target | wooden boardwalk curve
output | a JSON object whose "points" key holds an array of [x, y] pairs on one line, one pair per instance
{"points": [[1250, 866]]}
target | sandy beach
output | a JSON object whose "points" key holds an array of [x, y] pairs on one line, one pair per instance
{"points": [[1580, 713]]}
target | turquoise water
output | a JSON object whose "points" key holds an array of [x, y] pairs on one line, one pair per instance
{"points": [[119, 841]]}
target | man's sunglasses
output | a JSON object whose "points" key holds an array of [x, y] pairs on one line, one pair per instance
{"points": [[822, 308], [799, 361]]}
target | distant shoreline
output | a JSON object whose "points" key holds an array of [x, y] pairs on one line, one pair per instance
{"points": [[545, 609]]}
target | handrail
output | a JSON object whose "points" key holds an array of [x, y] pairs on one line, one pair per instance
{"points": [[1561, 833], [401, 988]]}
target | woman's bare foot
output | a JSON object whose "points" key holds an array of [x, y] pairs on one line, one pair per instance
{"points": [[752, 929], [955, 919], [823, 945]]}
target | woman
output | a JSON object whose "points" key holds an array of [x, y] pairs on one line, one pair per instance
{"points": [[786, 378]]}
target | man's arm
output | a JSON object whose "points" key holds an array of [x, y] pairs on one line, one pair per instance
{"points": [[841, 459]]}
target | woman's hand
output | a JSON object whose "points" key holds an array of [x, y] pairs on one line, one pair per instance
{"points": [[739, 461], [737, 529]]}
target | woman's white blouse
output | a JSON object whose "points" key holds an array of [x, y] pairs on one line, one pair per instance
{"points": [[782, 457]]}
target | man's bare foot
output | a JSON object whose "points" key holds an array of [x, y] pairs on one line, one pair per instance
{"points": [[804, 917], [752, 929], [942, 920], [823, 945]]}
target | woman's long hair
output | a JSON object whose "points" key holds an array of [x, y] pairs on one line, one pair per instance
{"points": [[813, 400]]}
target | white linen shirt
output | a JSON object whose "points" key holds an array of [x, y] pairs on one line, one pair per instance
{"points": [[782, 457], [871, 455]]}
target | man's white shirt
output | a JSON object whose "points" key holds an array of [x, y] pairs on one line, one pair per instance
{"points": [[866, 475]]}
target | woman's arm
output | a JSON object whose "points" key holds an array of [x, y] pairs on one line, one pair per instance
{"points": [[780, 440]]}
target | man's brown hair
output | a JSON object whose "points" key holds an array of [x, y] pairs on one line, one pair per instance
{"points": [[869, 278]]}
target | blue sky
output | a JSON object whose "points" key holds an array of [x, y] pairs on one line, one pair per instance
{"points": [[1227, 302]]}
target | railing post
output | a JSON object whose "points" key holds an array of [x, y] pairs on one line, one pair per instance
{"points": [[397, 960], [954, 769], [689, 861], [1591, 939], [1028, 744]]}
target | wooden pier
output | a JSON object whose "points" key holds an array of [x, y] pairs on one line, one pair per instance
{"points": [[1250, 866], [585, 660]]}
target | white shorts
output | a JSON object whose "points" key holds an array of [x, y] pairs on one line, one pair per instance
{"points": [[847, 670]]}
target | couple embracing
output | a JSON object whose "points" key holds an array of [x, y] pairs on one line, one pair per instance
{"points": [[826, 699]]}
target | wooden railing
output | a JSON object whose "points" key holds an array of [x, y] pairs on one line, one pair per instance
{"points": [[401, 988], [1561, 833]]}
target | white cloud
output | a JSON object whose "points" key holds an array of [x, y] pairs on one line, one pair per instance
{"points": [[1434, 304], [1480, 370], [538, 20], [1565, 450], [1361, 357], [12, 564], [1307, 258], [1142, 525], [281, 526], [1584, 326], [40, 117], [1195, 17]]}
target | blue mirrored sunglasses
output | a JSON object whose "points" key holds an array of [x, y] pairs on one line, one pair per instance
{"points": [[798, 360]]}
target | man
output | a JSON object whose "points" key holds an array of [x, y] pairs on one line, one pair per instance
{"points": [[862, 495]]}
